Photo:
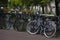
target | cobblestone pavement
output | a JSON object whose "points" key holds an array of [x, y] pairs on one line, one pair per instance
{"points": [[15, 35]]}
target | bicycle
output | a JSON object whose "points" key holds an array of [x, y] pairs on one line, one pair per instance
{"points": [[10, 19], [19, 22], [44, 24]]}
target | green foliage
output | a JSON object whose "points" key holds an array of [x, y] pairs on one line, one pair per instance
{"points": [[14, 3], [28, 3], [44, 1]]}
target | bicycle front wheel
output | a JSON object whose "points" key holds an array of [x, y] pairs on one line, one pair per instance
{"points": [[50, 29]]}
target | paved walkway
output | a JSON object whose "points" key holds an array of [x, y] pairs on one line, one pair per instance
{"points": [[14, 35]]}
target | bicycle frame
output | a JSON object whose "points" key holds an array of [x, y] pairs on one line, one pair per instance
{"points": [[40, 20]]}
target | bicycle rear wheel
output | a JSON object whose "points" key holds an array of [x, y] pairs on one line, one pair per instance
{"points": [[32, 27], [18, 25]]}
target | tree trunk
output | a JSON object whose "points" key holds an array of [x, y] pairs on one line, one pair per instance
{"points": [[57, 9], [50, 7], [43, 9], [46, 8]]}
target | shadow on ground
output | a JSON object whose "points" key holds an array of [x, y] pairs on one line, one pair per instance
{"points": [[58, 34]]}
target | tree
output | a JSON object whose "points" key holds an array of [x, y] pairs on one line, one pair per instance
{"points": [[3, 3], [44, 3], [15, 3], [57, 8]]}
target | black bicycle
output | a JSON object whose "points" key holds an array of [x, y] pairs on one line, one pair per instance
{"points": [[44, 24], [19, 22]]}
